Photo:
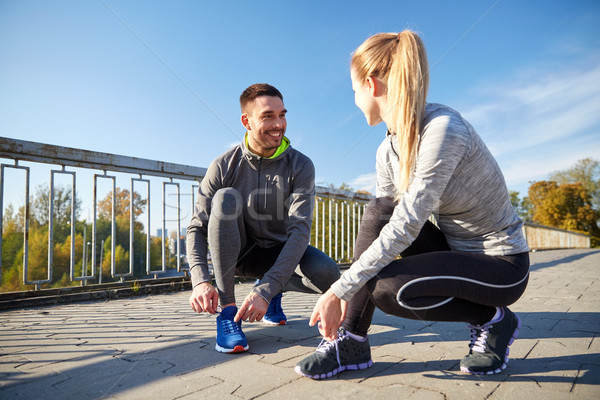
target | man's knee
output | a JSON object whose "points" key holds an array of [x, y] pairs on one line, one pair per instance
{"points": [[227, 204], [319, 268], [328, 272]]}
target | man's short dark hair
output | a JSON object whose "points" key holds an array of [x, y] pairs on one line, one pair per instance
{"points": [[257, 90]]}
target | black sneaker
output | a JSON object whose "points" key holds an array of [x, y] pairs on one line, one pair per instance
{"points": [[488, 352], [330, 358]]}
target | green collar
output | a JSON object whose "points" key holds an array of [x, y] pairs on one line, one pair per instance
{"points": [[285, 143]]}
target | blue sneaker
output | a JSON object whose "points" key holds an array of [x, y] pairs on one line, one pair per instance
{"points": [[275, 315], [230, 338]]}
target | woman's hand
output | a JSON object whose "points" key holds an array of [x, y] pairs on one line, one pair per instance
{"points": [[330, 312]]}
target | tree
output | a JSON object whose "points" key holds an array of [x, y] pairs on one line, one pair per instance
{"points": [[586, 172], [122, 202], [122, 219], [345, 186], [13, 234], [12, 237], [61, 224], [565, 206], [523, 206]]}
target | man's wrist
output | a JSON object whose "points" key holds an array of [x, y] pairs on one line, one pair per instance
{"points": [[259, 295], [200, 283]]}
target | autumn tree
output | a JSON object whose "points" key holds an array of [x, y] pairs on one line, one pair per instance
{"points": [[565, 206], [122, 246], [587, 173], [12, 236], [122, 204]]}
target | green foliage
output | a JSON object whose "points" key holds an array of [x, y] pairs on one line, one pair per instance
{"points": [[37, 260], [523, 207], [587, 173], [326, 236]]}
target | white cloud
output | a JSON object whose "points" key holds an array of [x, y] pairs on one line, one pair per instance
{"points": [[537, 108], [541, 121], [538, 121], [365, 182]]}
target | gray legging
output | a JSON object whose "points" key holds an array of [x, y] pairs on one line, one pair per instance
{"points": [[431, 282], [234, 253]]}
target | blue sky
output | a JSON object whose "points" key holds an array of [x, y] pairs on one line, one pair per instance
{"points": [[161, 80]]}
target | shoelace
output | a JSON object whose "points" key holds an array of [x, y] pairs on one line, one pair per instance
{"points": [[474, 334], [325, 346], [479, 335], [229, 326]]}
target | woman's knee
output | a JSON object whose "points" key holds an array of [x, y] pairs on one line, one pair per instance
{"points": [[379, 209], [383, 289], [377, 214]]}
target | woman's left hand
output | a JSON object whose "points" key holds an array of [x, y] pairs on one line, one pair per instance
{"points": [[329, 312]]}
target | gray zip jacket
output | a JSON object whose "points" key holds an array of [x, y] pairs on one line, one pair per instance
{"points": [[278, 195], [458, 181]]}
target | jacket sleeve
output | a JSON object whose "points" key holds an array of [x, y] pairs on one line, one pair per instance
{"points": [[196, 234], [442, 147], [301, 204]]}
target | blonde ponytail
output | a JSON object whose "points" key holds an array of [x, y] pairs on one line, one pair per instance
{"points": [[400, 60]]}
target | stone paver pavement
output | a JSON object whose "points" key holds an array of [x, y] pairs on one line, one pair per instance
{"points": [[155, 347]]}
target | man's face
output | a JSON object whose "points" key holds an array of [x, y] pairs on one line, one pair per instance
{"points": [[266, 124]]}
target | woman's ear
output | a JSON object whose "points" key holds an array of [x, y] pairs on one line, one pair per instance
{"points": [[376, 87]]}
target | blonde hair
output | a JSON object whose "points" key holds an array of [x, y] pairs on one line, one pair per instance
{"points": [[400, 61]]}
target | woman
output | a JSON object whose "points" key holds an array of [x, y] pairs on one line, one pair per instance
{"points": [[432, 162]]}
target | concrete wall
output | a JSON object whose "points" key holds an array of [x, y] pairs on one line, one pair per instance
{"points": [[543, 237]]}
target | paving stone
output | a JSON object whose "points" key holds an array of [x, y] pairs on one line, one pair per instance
{"points": [[156, 347]]}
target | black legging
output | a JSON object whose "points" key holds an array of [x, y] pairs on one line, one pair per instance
{"points": [[430, 256]]}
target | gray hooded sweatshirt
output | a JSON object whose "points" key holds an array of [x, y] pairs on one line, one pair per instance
{"points": [[278, 195]]}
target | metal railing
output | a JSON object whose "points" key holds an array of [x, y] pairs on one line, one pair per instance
{"points": [[27, 155], [335, 223]]}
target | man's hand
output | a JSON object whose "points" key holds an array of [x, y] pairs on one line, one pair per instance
{"points": [[253, 309], [204, 298]]}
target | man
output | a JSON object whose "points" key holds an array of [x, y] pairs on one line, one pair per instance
{"points": [[254, 210]]}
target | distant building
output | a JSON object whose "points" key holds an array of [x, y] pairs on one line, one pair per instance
{"points": [[159, 232], [175, 242]]}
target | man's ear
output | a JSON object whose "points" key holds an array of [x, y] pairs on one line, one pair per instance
{"points": [[245, 121]]}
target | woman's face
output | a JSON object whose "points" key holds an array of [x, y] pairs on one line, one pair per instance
{"points": [[364, 99]]}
